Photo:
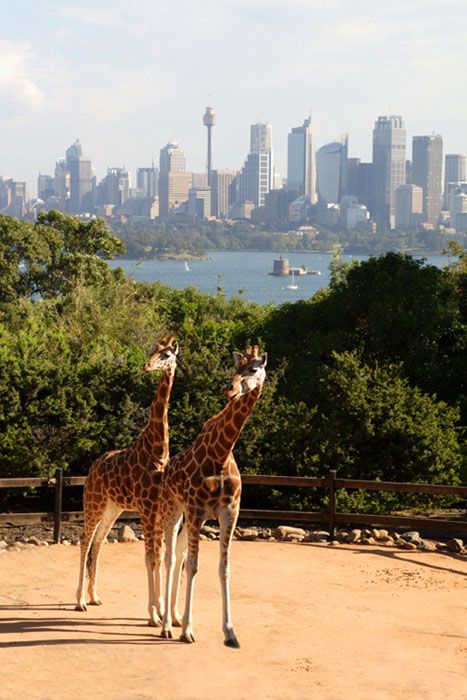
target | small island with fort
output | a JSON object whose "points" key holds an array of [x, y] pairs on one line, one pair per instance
{"points": [[281, 268]]}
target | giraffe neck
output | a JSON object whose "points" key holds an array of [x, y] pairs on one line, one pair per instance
{"points": [[156, 433], [221, 432]]}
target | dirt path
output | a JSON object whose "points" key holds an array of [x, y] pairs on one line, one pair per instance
{"points": [[314, 622]]}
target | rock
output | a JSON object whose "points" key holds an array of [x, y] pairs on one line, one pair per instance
{"points": [[334, 543], [284, 530], [15, 547], [441, 547], [126, 534], [202, 537], [247, 534], [141, 537], [367, 540], [382, 534], [212, 536], [66, 543], [34, 540], [396, 536], [321, 535], [455, 545], [293, 537], [353, 536], [412, 536], [111, 539], [375, 533], [410, 545], [208, 530], [427, 546], [366, 533], [265, 533], [388, 540], [3, 544], [43, 543]]}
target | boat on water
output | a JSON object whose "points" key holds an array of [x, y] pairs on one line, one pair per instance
{"points": [[292, 285], [186, 267]]}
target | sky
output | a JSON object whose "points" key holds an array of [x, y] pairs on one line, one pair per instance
{"points": [[127, 77]]}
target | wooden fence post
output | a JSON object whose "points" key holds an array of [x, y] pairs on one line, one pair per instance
{"points": [[58, 505], [332, 502]]}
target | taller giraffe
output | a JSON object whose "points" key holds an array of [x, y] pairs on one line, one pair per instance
{"points": [[129, 480], [204, 482]]}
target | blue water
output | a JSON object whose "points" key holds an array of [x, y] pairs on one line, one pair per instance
{"points": [[244, 273]]}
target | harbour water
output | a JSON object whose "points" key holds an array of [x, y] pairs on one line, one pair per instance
{"points": [[242, 273]]}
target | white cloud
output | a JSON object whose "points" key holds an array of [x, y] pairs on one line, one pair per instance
{"points": [[19, 94]]}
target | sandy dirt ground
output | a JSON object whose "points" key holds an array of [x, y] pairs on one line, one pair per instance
{"points": [[314, 621]]}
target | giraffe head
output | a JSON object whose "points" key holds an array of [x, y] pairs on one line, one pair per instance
{"points": [[163, 355], [249, 372]]}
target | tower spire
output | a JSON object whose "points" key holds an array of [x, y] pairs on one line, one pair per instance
{"points": [[209, 120]]}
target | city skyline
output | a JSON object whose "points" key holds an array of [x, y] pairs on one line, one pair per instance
{"points": [[115, 77]]}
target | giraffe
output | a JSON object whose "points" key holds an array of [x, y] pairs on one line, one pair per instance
{"points": [[129, 479], [204, 482]]}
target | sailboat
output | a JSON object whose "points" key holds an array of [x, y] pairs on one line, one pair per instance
{"points": [[186, 267], [292, 285]]}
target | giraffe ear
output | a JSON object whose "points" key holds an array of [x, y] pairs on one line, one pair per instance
{"points": [[237, 356], [175, 347], [264, 359]]}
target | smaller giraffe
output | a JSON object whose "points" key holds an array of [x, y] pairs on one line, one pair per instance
{"points": [[204, 482], [129, 479]]}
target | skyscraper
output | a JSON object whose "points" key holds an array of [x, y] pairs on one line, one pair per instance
{"points": [[409, 207], [82, 180], [427, 167], [301, 162], [147, 180], [220, 187], [114, 188], [253, 179], [331, 167], [455, 170], [388, 172], [261, 142], [172, 159]]}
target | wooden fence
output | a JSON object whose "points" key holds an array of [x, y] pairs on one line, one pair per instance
{"points": [[331, 518]]}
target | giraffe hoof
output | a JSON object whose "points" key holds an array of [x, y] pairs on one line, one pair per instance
{"points": [[81, 607], [187, 637], [232, 643], [152, 622], [166, 634]]}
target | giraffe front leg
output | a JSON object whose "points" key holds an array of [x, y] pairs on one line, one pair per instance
{"points": [[193, 529], [89, 528], [153, 573], [110, 514], [227, 520], [181, 550], [170, 534]]}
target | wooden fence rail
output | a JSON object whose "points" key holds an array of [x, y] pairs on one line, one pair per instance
{"points": [[331, 517]]}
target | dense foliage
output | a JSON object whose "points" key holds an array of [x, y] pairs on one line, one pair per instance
{"points": [[366, 377], [149, 239]]}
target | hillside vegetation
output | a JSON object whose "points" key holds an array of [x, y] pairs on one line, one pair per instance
{"points": [[367, 377]]}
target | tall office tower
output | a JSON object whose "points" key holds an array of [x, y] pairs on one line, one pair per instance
{"points": [[172, 159], [389, 138], [261, 142], [331, 169], [45, 186], [254, 178], [458, 206], [114, 188], [408, 207], [209, 120], [221, 181], [73, 151], [81, 185], [199, 202], [427, 167], [147, 180], [173, 191], [455, 170], [301, 160]]}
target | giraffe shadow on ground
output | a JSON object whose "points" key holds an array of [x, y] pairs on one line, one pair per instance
{"points": [[395, 555], [76, 628]]}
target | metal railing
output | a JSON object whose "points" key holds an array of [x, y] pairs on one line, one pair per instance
{"points": [[330, 517]]}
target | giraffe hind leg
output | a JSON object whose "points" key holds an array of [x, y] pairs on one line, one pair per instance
{"points": [[110, 514]]}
